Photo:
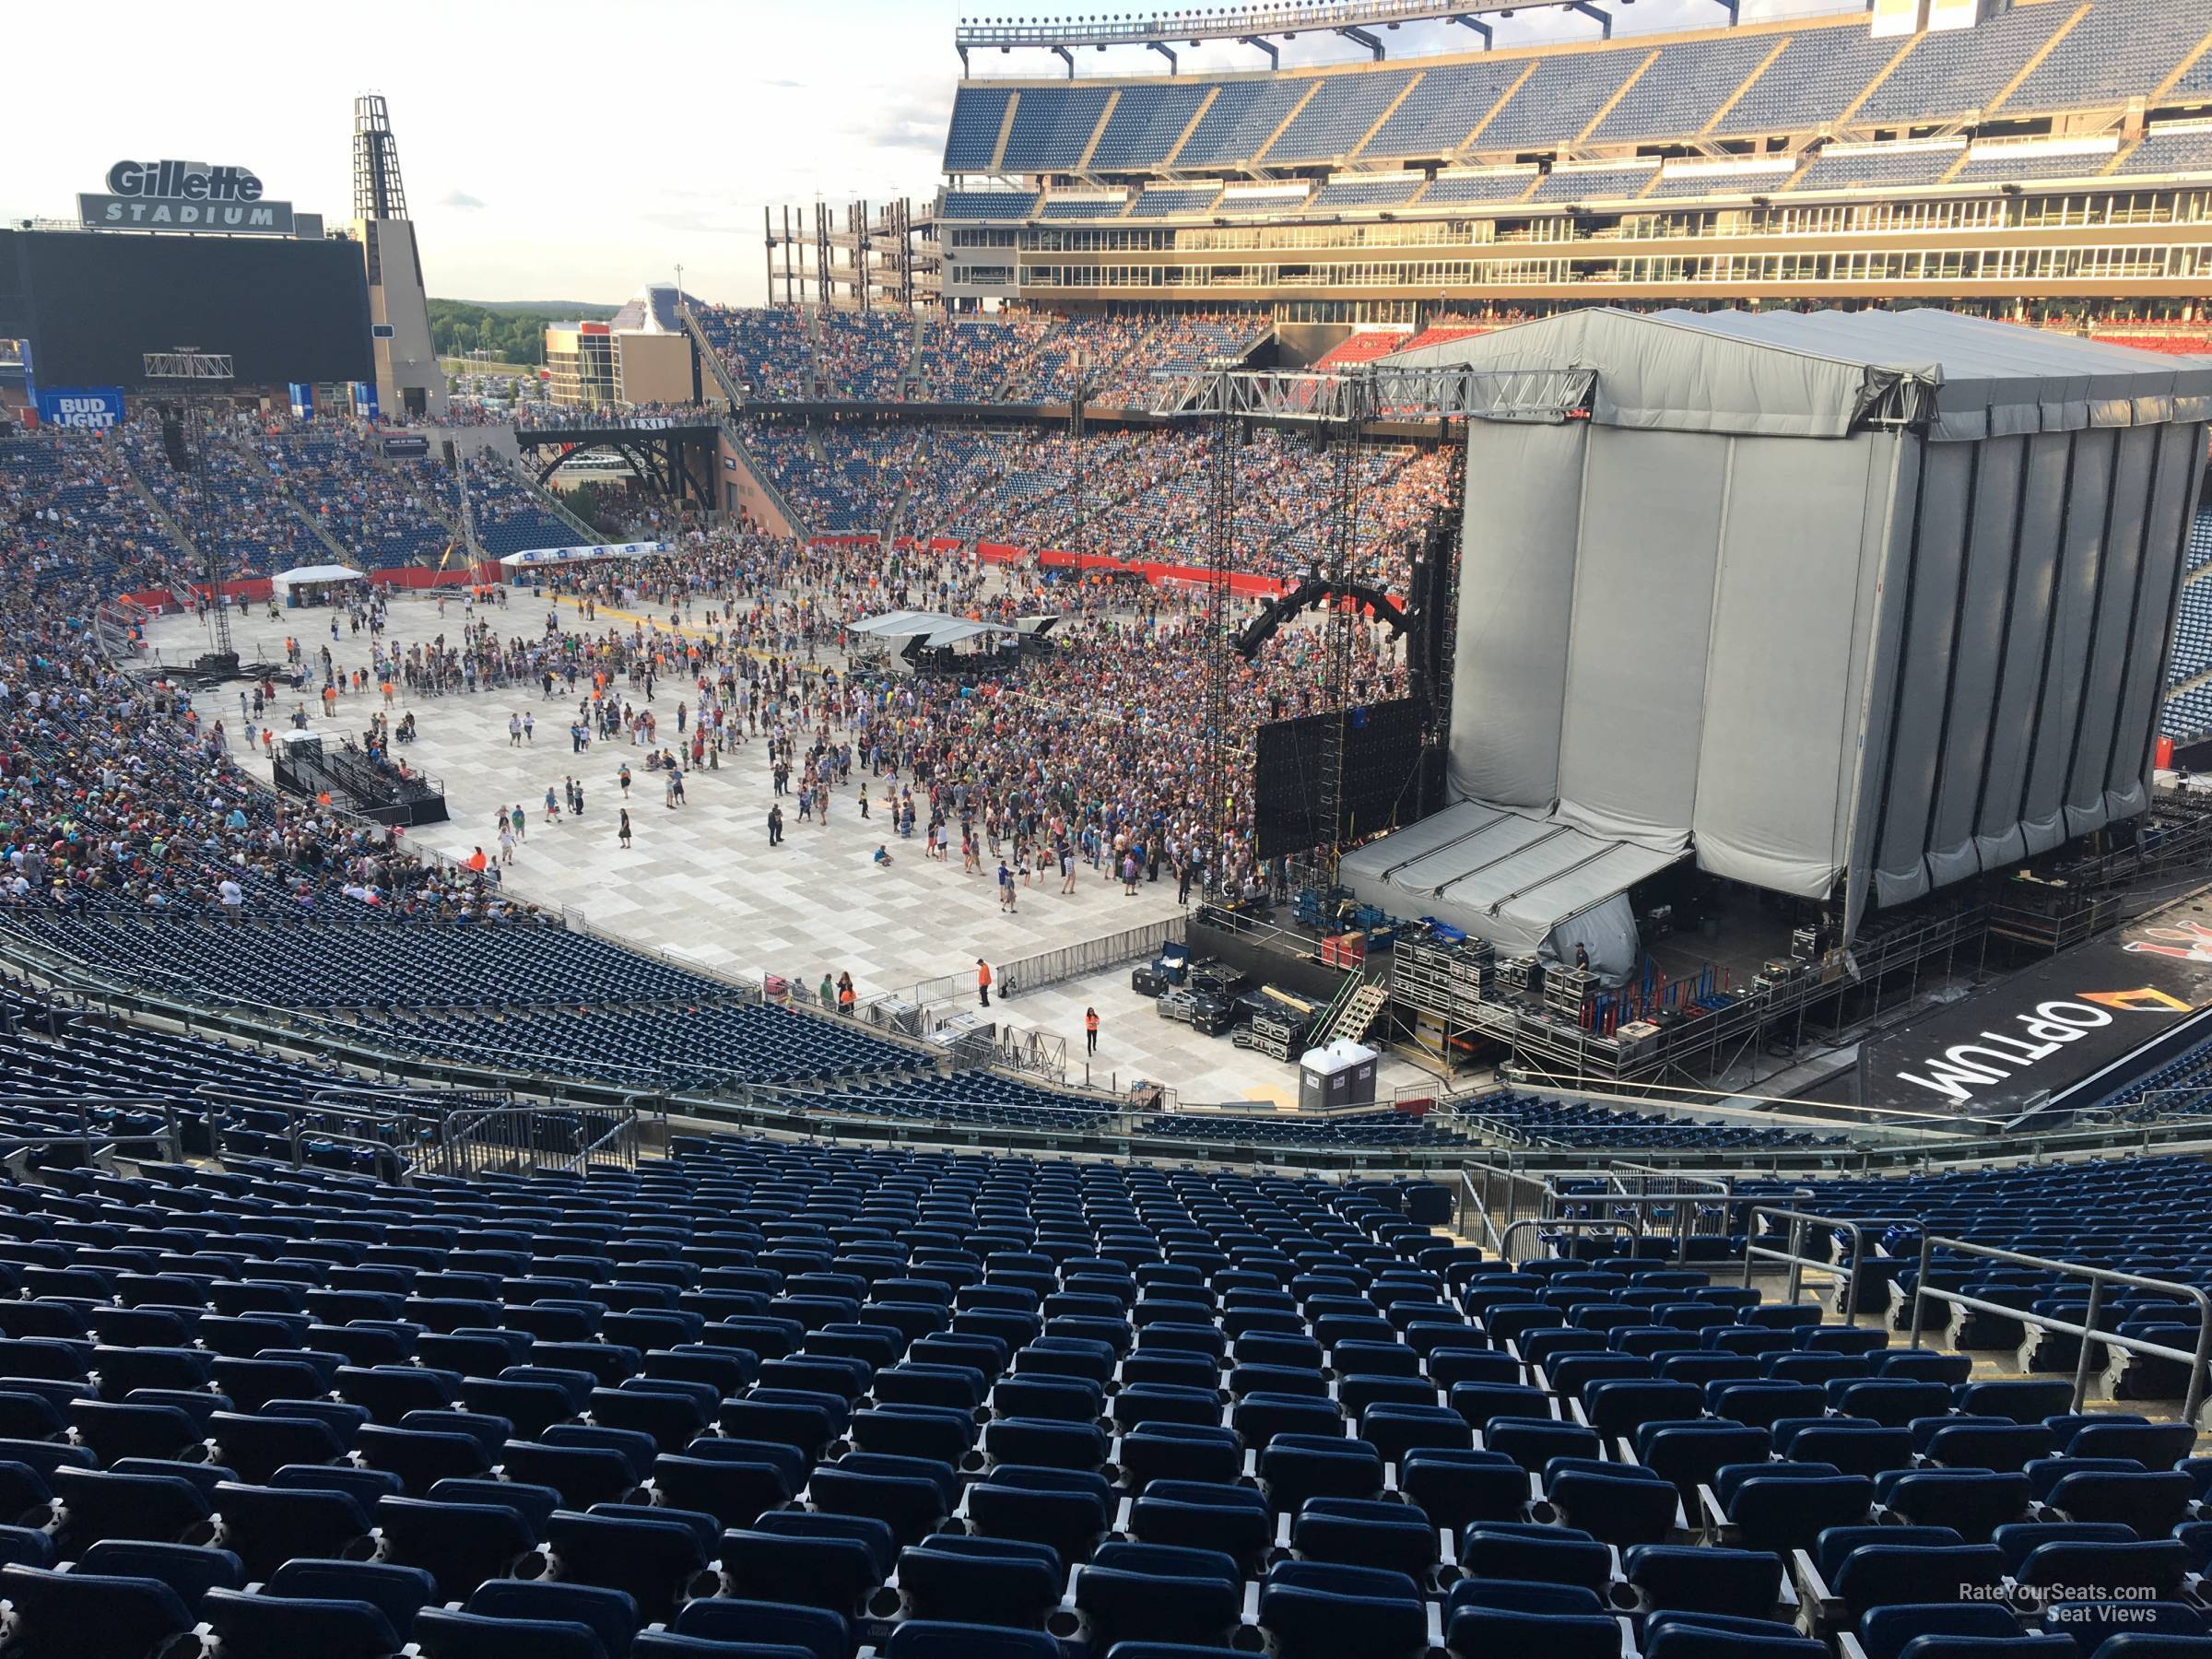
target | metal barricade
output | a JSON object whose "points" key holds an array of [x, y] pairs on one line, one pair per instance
{"points": [[1089, 955], [528, 1139], [2098, 1278], [1575, 1224], [1639, 1200]]}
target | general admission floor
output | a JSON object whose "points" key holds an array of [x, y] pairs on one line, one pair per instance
{"points": [[701, 882]]}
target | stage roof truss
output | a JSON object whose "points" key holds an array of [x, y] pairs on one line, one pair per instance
{"points": [[1378, 391]]}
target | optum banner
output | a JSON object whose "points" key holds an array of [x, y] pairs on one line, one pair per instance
{"points": [[2067, 1031], [96, 407]]}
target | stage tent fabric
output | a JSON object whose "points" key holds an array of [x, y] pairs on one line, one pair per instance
{"points": [[936, 628], [1532, 886], [1843, 605], [321, 575]]}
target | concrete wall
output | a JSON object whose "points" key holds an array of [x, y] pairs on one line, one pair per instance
{"points": [[407, 361], [738, 489]]}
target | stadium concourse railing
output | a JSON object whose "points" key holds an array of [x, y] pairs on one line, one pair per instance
{"points": [[95, 1145]]}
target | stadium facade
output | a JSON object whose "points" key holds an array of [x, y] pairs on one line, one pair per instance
{"points": [[2051, 161]]}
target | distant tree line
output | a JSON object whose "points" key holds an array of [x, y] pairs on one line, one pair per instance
{"points": [[512, 334]]}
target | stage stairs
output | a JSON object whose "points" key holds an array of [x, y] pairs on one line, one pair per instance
{"points": [[1356, 1013]]}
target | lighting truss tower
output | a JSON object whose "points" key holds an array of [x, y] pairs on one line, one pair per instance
{"points": [[1080, 388], [194, 382], [1340, 621], [1222, 768], [1342, 405]]}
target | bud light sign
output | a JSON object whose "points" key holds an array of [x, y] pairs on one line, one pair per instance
{"points": [[98, 407]]}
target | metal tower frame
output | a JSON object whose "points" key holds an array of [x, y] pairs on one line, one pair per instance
{"points": [[194, 380], [378, 193], [1340, 622], [1344, 407], [1218, 774]]}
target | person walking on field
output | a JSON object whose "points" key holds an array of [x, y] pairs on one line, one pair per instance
{"points": [[622, 832], [983, 981], [1090, 1031]]}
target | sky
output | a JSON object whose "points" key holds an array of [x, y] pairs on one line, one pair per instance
{"points": [[557, 150]]}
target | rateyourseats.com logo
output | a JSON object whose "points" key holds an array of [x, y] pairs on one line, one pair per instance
{"points": [[2098, 1604]]}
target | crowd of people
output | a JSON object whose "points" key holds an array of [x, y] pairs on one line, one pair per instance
{"points": [[383, 513], [122, 791], [1140, 494], [227, 504], [779, 354], [119, 792], [72, 514], [1080, 756]]}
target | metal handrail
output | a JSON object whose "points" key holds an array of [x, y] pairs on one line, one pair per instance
{"points": [[621, 1141], [2098, 1277], [1470, 1200], [1561, 1224], [96, 1144], [1853, 1227]]}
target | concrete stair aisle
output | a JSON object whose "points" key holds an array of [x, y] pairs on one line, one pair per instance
{"points": [[914, 388], [161, 516], [339, 554], [715, 366], [812, 380]]}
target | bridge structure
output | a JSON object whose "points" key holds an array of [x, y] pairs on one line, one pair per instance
{"points": [[674, 453]]}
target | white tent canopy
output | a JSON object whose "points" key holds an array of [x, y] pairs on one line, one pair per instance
{"points": [[936, 628], [321, 575], [532, 559]]}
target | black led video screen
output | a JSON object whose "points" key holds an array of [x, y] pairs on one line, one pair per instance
{"points": [[1381, 786], [96, 303]]}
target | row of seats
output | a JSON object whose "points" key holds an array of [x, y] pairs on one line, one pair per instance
{"points": [[1143, 494], [768, 1396], [1833, 168]]}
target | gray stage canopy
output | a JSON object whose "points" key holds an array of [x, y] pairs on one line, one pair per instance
{"points": [[936, 628], [1856, 603], [1532, 886]]}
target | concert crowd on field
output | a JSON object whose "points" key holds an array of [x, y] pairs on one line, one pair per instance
{"points": [[117, 789], [119, 793], [1084, 752]]}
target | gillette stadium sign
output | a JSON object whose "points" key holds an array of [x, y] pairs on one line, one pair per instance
{"points": [[183, 196]]}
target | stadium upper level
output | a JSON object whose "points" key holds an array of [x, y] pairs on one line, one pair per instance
{"points": [[2040, 69]]}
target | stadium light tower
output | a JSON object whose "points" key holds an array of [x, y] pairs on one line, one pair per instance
{"points": [[407, 376]]}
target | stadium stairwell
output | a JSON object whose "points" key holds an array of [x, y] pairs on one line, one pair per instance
{"points": [[732, 394]]}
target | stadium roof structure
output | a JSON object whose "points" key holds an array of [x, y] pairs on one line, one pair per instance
{"points": [[936, 628], [1822, 374], [1253, 25], [653, 309]]}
